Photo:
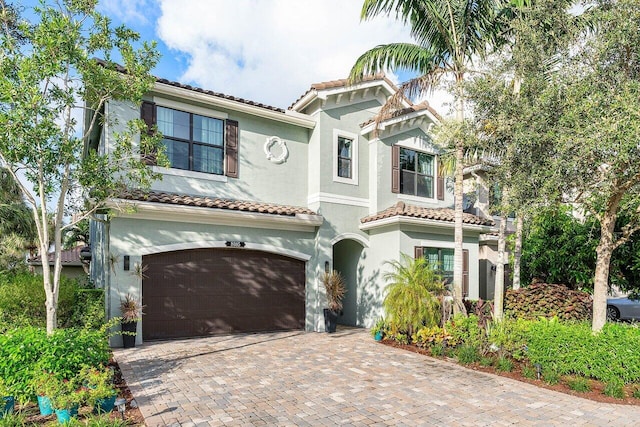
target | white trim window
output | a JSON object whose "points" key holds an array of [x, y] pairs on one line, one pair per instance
{"points": [[345, 157]]}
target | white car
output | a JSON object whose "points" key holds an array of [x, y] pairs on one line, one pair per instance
{"points": [[625, 308]]}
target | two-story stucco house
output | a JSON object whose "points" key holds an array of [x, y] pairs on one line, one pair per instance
{"points": [[260, 201]]}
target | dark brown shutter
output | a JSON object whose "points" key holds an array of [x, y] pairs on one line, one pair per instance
{"points": [[148, 115], [440, 187], [231, 149], [418, 252], [465, 273], [395, 169]]}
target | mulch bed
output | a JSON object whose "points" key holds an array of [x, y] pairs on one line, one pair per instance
{"points": [[595, 394]]}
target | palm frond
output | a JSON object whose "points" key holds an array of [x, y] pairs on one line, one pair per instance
{"points": [[393, 56]]}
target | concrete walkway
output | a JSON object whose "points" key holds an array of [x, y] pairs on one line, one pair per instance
{"points": [[309, 379]]}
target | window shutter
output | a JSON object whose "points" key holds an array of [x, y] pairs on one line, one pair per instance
{"points": [[395, 169], [440, 187], [418, 252], [148, 115], [231, 148], [465, 273]]}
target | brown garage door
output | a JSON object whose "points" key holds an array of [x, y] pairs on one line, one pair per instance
{"points": [[213, 291]]}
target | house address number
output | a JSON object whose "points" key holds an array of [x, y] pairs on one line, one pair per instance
{"points": [[235, 244]]}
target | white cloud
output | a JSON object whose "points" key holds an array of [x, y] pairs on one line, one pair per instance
{"points": [[270, 51]]}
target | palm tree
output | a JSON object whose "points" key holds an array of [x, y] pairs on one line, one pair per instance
{"points": [[17, 229], [412, 294], [449, 35]]}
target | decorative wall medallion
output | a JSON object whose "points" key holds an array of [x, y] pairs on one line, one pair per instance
{"points": [[276, 150]]}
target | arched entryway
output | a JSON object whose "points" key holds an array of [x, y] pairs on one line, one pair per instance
{"points": [[346, 257]]}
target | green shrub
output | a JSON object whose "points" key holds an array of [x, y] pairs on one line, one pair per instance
{"points": [[573, 349], [529, 372], [68, 350], [437, 350], [465, 330], [547, 300], [504, 364], [614, 389], [26, 352], [467, 354], [14, 419], [22, 300], [430, 335], [486, 361], [636, 392], [20, 350], [580, 384], [510, 336], [550, 376], [89, 309]]}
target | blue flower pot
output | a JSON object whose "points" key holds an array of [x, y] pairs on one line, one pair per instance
{"points": [[378, 336], [65, 415], [44, 404], [7, 407], [105, 405]]}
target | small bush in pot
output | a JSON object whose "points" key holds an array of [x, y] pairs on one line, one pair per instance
{"points": [[130, 313], [101, 394], [336, 289], [7, 401]]}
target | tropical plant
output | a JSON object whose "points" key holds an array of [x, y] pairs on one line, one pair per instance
{"points": [[48, 75], [413, 288], [335, 288], [130, 309], [450, 35]]}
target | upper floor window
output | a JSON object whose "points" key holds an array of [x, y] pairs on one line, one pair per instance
{"points": [[416, 177], [192, 142], [414, 173], [345, 157]]}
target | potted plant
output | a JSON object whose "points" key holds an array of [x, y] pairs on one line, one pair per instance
{"points": [[43, 383], [101, 394], [7, 401], [130, 313], [379, 329], [66, 397], [335, 288]]}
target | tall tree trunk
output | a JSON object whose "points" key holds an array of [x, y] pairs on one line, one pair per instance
{"points": [[458, 305], [517, 252], [603, 260], [498, 292]]}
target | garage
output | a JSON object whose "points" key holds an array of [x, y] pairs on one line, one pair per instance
{"points": [[202, 292]]}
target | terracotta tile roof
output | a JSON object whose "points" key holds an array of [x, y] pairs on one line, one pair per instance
{"points": [[215, 203], [438, 214], [121, 69], [70, 256], [424, 105], [343, 83]]}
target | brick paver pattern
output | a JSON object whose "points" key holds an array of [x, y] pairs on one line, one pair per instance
{"points": [[346, 378]]}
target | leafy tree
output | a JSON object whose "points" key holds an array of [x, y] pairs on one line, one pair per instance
{"points": [[450, 35], [596, 155], [510, 118], [413, 287], [48, 76], [558, 248]]}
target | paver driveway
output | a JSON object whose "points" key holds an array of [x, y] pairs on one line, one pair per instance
{"points": [[302, 379]]}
